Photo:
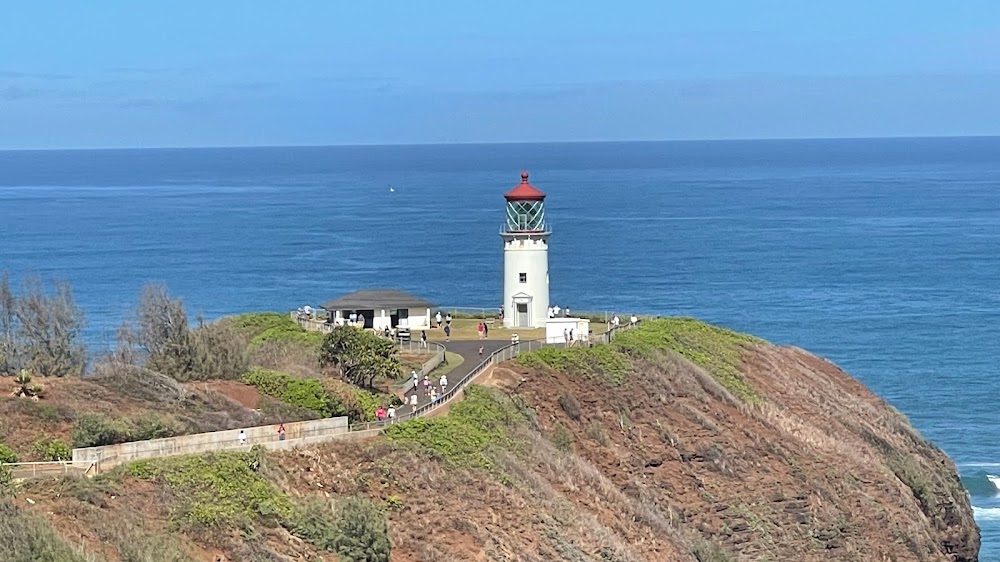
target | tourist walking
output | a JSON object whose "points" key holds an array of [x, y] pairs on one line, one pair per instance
{"points": [[447, 320], [447, 332], [391, 413], [443, 382], [437, 318], [281, 432], [423, 339], [415, 378], [565, 336], [481, 352], [634, 320], [242, 438], [380, 414], [414, 399], [427, 385], [479, 330], [486, 330]]}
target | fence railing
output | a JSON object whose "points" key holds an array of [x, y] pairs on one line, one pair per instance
{"points": [[23, 470], [504, 354]]}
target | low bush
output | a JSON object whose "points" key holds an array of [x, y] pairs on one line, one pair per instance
{"points": [[25, 537], [94, 430], [570, 405], [216, 491], [7, 454], [254, 323], [353, 528], [303, 393], [562, 439], [293, 334], [50, 449], [472, 428]]}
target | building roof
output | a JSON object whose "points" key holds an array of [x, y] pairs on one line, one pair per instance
{"points": [[376, 298], [525, 191]]}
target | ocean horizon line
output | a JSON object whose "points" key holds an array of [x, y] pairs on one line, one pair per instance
{"points": [[504, 143]]}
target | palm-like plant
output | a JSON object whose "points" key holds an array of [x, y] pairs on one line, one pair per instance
{"points": [[24, 387]]}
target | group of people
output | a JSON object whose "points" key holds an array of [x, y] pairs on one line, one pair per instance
{"points": [[426, 387], [447, 324], [556, 312], [383, 414]]}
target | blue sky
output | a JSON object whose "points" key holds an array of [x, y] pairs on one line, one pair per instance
{"points": [[220, 73]]}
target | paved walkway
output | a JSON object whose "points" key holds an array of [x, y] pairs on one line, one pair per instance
{"points": [[469, 350]]}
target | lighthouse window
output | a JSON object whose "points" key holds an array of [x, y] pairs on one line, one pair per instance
{"points": [[522, 277]]}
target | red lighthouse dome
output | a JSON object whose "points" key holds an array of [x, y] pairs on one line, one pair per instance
{"points": [[525, 191]]}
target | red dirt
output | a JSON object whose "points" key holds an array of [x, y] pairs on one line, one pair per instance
{"points": [[243, 394]]}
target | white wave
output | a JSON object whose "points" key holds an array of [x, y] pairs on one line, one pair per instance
{"points": [[994, 479], [979, 465], [986, 513]]}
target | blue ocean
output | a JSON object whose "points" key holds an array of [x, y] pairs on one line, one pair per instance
{"points": [[881, 254]]}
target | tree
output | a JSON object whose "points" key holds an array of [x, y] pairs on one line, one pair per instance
{"points": [[220, 351], [164, 333], [49, 328], [360, 356], [9, 361]]}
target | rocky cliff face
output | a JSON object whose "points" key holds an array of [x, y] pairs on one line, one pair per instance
{"points": [[680, 442]]}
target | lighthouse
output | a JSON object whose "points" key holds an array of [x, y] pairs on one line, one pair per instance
{"points": [[525, 258]]}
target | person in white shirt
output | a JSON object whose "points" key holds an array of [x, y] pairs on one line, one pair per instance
{"points": [[413, 398], [415, 377], [443, 382], [437, 318], [242, 438], [555, 310], [391, 413], [634, 320], [615, 321], [551, 314]]}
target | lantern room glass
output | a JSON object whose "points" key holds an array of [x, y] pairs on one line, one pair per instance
{"points": [[525, 216]]}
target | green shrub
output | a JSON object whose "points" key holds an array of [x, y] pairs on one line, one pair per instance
{"points": [[51, 449], [354, 529], [600, 361], [717, 350], [304, 393], [293, 334], [7, 454], [216, 491], [562, 439], [93, 430], [472, 428], [255, 323]]}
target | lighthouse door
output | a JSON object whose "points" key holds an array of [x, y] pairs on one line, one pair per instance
{"points": [[522, 315]]}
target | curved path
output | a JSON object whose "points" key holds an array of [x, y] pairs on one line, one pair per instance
{"points": [[469, 350]]}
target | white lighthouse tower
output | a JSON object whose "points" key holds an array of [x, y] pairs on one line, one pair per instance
{"points": [[525, 258]]}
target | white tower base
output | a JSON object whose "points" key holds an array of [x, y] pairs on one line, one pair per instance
{"points": [[525, 279]]}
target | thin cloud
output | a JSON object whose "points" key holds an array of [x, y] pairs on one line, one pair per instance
{"points": [[16, 74], [14, 93]]}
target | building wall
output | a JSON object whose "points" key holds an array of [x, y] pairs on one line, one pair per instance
{"points": [[214, 441], [528, 254], [554, 329]]}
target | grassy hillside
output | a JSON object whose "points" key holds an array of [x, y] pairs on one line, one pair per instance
{"points": [[681, 441]]}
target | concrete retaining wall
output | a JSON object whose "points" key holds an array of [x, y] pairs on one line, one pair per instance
{"points": [[312, 431]]}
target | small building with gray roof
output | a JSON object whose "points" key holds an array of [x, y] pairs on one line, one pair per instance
{"points": [[381, 309]]}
